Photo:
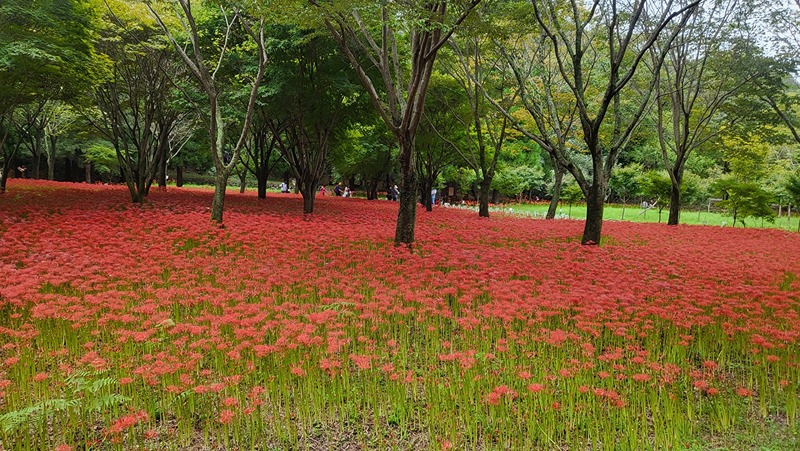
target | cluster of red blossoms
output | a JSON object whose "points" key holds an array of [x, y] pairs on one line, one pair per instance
{"points": [[274, 316]]}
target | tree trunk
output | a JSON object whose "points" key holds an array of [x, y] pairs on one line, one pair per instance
{"points": [[426, 185], [134, 187], [87, 171], [372, 188], [179, 176], [242, 182], [483, 197], [551, 210], [162, 171], [308, 194], [51, 156], [4, 174], [143, 188], [51, 167], [407, 215], [483, 204], [594, 214], [37, 161], [674, 203], [218, 204], [262, 187], [427, 200]]}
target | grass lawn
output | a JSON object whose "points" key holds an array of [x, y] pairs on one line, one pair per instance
{"points": [[634, 213]]}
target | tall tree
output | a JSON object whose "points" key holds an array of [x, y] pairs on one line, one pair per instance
{"points": [[46, 52], [314, 93], [133, 102], [261, 156], [475, 68], [371, 34], [598, 48], [205, 65], [441, 134], [706, 65], [543, 94]]}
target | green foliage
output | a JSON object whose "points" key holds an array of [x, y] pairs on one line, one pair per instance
{"points": [[624, 182], [103, 158], [514, 180], [693, 189], [655, 185], [367, 151], [84, 396], [746, 156], [46, 50], [571, 193], [743, 200], [793, 187], [465, 178]]}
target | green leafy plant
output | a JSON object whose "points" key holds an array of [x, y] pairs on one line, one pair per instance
{"points": [[84, 396]]}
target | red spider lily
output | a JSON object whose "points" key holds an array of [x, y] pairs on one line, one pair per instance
{"points": [[744, 392], [226, 416], [286, 310]]}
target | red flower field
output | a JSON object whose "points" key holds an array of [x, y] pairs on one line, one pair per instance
{"points": [[125, 326]]}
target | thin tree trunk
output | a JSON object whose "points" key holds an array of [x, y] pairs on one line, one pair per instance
{"points": [[51, 155], [4, 178], [594, 214], [242, 182], [37, 162], [51, 167], [218, 204], [262, 187], [8, 164], [674, 203], [426, 185], [162, 171], [372, 188], [483, 197], [143, 188], [407, 214], [179, 176], [551, 210]]}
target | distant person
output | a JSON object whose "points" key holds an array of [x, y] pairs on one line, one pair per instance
{"points": [[338, 189], [346, 191], [433, 196], [284, 187], [396, 193], [322, 190]]}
